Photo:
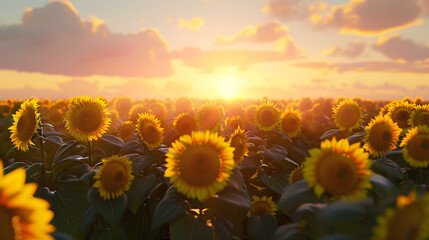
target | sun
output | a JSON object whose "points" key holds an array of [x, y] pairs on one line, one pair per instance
{"points": [[227, 86]]}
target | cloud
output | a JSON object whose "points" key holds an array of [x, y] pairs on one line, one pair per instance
{"points": [[293, 9], [262, 33], [397, 48], [425, 7], [351, 50], [208, 60], [369, 17], [369, 66], [54, 39], [193, 24]]}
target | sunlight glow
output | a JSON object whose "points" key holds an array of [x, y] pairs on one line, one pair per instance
{"points": [[227, 87]]}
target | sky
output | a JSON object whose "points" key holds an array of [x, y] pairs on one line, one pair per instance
{"points": [[377, 49]]}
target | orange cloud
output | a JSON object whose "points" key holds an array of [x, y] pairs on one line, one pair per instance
{"points": [[193, 24], [425, 7], [262, 33], [399, 49], [293, 9], [367, 17], [54, 39], [351, 50]]}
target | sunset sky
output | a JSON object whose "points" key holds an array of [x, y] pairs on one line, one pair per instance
{"points": [[375, 49]]}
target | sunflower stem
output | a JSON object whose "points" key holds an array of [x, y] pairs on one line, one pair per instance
{"points": [[42, 152], [90, 152]]}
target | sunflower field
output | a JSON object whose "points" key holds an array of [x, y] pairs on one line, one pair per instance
{"points": [[329, 169]]}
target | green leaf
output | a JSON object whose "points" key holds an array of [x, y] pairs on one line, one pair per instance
{"points": [[112, 140], [283, 135], [234, 196], [382, 186], [357, 137], [133, 147], [112, 209], [65, 149], [276, 181], [294, 196], [170, 207], [61, 236], [140, 162], [33, 169], [88, 218], [261, 227], [337, 237], [113, 233], [345, 211], [68, 204], [236, 180], [275, 152], [223, 228], [290, 231], [330, 133], [9, 168], [61, 165], [10, 152], [187, 227], [387, 168], [54, 139], [140, 187]]}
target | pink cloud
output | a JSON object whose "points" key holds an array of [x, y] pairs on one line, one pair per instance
{"points": [[262, 33], [351, 50], [292, 9], [54, 39], [397, 48]]}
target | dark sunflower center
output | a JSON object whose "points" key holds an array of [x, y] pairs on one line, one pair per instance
{"points": [[89, 119], [423, 119], [380, 137], [260, 208], [418, 148], [401, 118], [26, 125], [200, 165], [55, 116], [290, 124], [349, 116], [113, 177], [7, 230], [406, 224], [209, 118], [186, 126], [267, 118], [337, 174], [150, 133]]}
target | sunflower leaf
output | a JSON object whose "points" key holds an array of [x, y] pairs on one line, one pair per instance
{"points": [[294, 196], [276, 181], [234, 196], [276, 152], [65, 149], [170, 207], [357, 137], [283, 135], [139, 190], [261, 227], [9, 168], [330, 133], [388, 169], [187, 227], [112, 209], [113, 232], [223, 228], [113, 140], [290, 231]]}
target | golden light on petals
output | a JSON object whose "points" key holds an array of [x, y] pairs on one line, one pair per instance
{"points": [[296, 175], [382, 135], [267, 116], [22, 216], [235, 122], [136, 110], [339, 169], [114, 177], [184, 123], [416, 146], [25, 124], [209, 116], [238, 140], [87, 118], [126, 130], [348, 115], [261, 206], [400, 113], [149, 130], [250, 114], [291, 122], [199, 164], [419, 116]]}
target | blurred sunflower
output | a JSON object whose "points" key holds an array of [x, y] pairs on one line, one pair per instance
{"points": [[25, 124], [267, 116], [149, 130], [400, 112], [55, 116], [409, 221], [348, 115], [238, 140], [250, 114], [87, 118], [126, 130], [200, 164], [123, 105], [137, 109], [416, 146], [183, 104], [114, 177], [261, 206], [291, 122], [184, 123], [209, 116], [339, 169], [235, 122], [22, 216], [158, 109], [419, 116], [382, 135], [296, 175]]}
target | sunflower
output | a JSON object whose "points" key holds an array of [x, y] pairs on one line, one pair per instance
{"points": [[55, 116], [400, 112], [420, 116], [183, 104], [348, 115], [339, 169], [416, 146], [158, 109], [136, 110], [209, 116], [410, 220], [238, 140], [291, 122], [25, 124], [382, 135], [87, 118], [126, 130], [296, 175], [114, 177], [123, 105], [235, 122], [200, 164], [250, 114], [184, 123], [22, 216], [149, 130], [267, 116], [261, 206]]}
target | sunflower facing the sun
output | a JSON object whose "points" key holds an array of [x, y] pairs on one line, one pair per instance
{"points": [[267, 116], [261, 206], [348, 115], [419, 116], [400, 113], [22, 216], [114, 177], [339, 169], [416, 146], [291, 122], [238, 140], [25, 124], [184, 123], [149, 130], [87, 118], [200, 164], [209, 116], [382, 135]]}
